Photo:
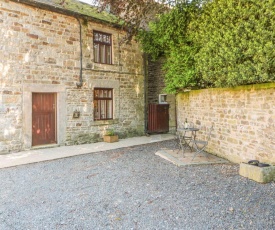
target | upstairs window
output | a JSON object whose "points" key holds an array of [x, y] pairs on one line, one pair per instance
{"points": [[102, 48], [103, 104]]}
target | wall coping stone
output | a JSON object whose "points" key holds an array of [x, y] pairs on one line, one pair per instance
{"points": [[237, 88]]}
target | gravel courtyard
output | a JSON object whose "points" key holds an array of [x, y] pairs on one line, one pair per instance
{"points": [[132, 188]]}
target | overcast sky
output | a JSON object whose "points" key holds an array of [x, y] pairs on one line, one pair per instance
{"points": [[87, 1]]}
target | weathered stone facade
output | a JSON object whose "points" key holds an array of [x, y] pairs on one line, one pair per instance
{"points": [[243, 117], [40, 52], [156, 85]]}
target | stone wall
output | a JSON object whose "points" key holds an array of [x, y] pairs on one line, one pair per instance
{"points": [[156, 86], [243, 117], [40, 52]]}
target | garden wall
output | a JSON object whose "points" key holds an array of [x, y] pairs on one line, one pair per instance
{"points": [[243, 117]]}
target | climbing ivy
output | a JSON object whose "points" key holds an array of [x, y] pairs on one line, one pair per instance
{"points": [[215, 43], [170, 36]]}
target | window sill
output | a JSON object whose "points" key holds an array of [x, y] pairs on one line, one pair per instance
{"points": [[104, 122], [100, 66]]}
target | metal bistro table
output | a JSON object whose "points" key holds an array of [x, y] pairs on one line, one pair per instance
{"points": [[185, 137]]}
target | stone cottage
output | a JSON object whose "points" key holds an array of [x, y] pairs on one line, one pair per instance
{"points": [[65, 76]]}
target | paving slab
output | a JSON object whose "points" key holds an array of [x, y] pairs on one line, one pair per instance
{"points": [[178, 158], [46, 154]]}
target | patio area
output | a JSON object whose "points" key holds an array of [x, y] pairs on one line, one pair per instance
{"points": [[178, 158]]}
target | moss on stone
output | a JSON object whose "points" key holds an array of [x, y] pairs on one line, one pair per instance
{"points": [[261, 175], [131, 133], [87, 10], [237, 88], [86, 138]]}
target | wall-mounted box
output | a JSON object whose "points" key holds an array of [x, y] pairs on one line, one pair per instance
{"points": [[162, 98]]}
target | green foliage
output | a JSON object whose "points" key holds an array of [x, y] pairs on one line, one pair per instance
{"points": [[109, 132], [237, 42], [86, 9], [215, 43], [150, 43], [180, 69], [170, 36]]}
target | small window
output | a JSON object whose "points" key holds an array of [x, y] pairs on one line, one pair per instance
{"points": [[102, 48], [103, 104]]}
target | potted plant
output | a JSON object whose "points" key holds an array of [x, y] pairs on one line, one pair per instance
{"points": [[110, 136]]}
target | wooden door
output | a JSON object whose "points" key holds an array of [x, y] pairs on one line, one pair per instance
{"points": [[158, 118], [43, 118]]}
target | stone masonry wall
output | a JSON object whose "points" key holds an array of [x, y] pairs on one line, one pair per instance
{"points": [[243, 117], [156, 86], [40, 52]]}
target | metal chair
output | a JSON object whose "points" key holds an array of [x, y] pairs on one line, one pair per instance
{"points": [[200, 145], [184, 140]]}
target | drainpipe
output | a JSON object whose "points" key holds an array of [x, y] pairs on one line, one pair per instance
{"points": [[176, 110], [145, 57], [80, 83], [120, 70]]}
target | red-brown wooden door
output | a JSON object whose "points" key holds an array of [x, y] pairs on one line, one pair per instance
{"points": [[158, 118], [43, 118]]}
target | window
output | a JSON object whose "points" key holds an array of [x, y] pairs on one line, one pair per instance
{"points": [[103, 104], [102, 48]]}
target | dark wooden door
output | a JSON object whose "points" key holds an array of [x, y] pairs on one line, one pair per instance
{"points": [[158, 118], [43, 118]]}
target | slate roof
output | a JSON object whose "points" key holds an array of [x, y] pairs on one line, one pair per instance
{"points": [[73, 7]]}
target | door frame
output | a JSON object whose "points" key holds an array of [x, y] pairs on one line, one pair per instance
{"points": [[61, 113]]}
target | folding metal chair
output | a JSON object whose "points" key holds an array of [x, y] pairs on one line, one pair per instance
{"points": [[184, 138], [200, 145]]}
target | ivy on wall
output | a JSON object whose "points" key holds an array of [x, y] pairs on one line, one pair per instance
{"points": [[170, 36], [217, 43]]}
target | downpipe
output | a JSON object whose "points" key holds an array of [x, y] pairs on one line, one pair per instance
{"points": [[80, 83]]}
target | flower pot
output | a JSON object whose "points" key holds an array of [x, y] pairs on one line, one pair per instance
{"points": [[110, 139]]}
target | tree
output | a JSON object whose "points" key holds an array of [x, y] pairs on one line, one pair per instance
{"points": [[136, 14]]}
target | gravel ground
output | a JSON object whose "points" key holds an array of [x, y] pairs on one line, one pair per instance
{"points": [[131, 188]]}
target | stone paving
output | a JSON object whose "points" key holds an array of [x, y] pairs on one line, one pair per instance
{"points": [[45, 154], [40, 154], [181, 159]]}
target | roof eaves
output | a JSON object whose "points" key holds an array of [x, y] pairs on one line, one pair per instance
{"points": [[50, 5]]}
